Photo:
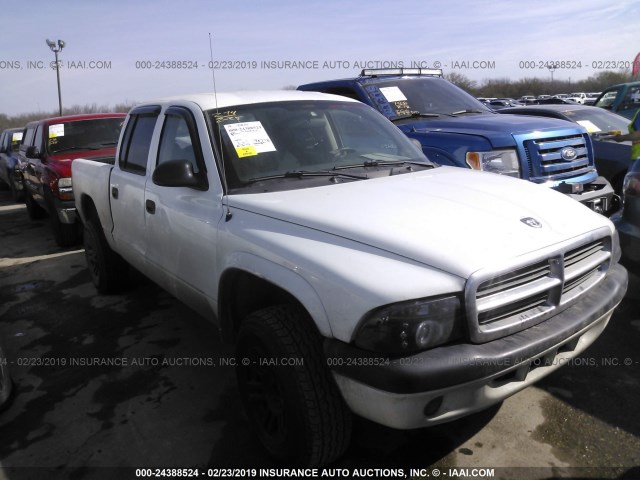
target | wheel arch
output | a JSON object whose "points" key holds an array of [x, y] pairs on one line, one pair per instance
{"points": [[256, 283], [86, 209]]}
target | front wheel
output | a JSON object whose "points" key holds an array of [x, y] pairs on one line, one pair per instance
{"points": [[287, 389], [34, 210], [17, 195], [65, 234]]}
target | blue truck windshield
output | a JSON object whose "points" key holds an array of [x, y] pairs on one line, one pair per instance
{"points": [[406, 97]]}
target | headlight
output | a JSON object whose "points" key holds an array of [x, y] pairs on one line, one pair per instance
{"points": [[65, 183], [409, 327], [63, 188], [504, 162]]}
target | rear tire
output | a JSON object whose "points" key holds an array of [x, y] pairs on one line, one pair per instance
{"points": [[296, 409], [109, 272]]}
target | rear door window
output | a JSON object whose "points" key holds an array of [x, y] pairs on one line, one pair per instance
{"points": [[134, 150]]}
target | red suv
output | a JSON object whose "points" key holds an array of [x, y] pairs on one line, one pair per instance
{"points": [[48, 147]]}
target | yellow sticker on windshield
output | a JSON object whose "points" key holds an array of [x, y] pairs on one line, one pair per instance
{"points": [[246, 151], [56, 130], [249, 138], [590, 126]]}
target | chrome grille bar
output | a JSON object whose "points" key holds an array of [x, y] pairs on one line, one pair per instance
{"points": [[501, 302]]}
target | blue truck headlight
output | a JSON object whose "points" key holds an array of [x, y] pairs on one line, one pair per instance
{"points": [[412, 326], [504, 162]]}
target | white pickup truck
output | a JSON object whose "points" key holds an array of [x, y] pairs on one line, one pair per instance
{"points": [[352, 274]]}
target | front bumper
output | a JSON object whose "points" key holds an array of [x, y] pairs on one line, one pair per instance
{"points": [[65, 210], [598, 195], [446, 383]]}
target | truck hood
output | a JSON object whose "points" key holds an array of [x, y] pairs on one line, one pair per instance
{"points": [[61, 163], [453, 219], [498, 129]]}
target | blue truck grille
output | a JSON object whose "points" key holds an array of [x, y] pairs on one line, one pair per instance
{"points": [[502, 302], [546, 161]]}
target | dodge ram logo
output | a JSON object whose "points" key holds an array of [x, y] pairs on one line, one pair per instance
{"points": [[568, 153], [532, 222]]}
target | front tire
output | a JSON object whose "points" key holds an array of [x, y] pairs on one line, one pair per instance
{"points": [[34, 210], [295, 407], [109, 272], [65, 234], [17, 195]]}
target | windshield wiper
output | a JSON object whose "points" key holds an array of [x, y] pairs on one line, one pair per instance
{"points": [[468, 110], [306, 173], [66, 149], [416, 115], [387, 163]]}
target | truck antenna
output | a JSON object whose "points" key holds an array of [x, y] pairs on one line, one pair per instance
{"points": [[213, 73], [216, 119]]}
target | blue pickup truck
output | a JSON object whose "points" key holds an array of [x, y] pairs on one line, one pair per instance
{"points": [[453, 128]]}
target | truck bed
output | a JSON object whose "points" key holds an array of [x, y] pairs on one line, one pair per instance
{"points": [[91, 180]]}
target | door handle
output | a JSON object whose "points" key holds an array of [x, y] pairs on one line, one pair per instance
{"points": [[114, 192], [151, 206]]}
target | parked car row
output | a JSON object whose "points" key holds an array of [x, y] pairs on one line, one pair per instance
{"points": [[35, 162], [579, 97], [39, 164]]}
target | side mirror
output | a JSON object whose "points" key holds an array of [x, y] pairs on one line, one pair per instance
{"points": [[178, 173], [32, 152]]}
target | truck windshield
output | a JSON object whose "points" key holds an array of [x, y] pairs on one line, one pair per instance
{"points": [[597, 120], [79, 135], [607, 99], [285, 141], [407, 97]]}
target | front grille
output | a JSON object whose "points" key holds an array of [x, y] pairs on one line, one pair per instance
{"points": [[545, 161], [502, 302]]}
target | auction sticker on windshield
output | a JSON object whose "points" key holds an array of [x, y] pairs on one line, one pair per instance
{"points": [[249, 138], [589, 125], [56, 130], [393, 94]]}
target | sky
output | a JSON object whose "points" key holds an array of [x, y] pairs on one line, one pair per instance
{"points": [[130, 51]]}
